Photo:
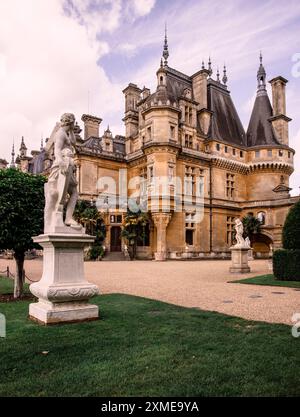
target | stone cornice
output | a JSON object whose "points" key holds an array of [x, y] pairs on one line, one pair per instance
{"points": [[161, 147], [229, 164], [267, 165], [90, 118]]}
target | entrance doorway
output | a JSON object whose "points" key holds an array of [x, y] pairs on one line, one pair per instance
{"points": [[115, 239]]}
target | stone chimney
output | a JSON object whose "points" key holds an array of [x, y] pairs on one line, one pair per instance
{"points": [[132, 96], [200, 95], [91, 125], [200, 87], [280, 120]]}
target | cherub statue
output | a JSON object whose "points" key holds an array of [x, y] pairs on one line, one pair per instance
{"points": [[61, 189], [239, 228]]}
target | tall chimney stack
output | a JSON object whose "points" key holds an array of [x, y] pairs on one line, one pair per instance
{"points": [[280, 120]]}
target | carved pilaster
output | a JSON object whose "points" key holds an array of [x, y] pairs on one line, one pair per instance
{"points": [[161, 221]]}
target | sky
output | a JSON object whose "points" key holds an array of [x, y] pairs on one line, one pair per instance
{"points": [[77, 56]]}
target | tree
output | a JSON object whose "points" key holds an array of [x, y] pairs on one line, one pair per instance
{"points": [[251, 227], [291, 228], [21, 216], [87, 214], [134, 226], [286, 261]]}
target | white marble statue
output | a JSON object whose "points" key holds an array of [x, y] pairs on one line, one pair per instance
{"points": [[239, 228], [247, 242], [61, 189]]}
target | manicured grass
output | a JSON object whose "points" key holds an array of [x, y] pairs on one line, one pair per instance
{"points": [[7, 286], [268, 280], [141, 347]]}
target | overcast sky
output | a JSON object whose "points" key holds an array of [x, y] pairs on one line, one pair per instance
{"points": [[76, 56]]}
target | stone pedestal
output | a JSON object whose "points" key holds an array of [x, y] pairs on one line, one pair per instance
{"points": [[63, 291], [239, 259]]}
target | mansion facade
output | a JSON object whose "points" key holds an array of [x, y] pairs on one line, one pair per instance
{"points": [[189, 128]]}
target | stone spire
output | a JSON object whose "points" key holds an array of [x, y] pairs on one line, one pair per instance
{"points": [[23, 149], [12, 164], [225, 78], [210, 71], [42, 144], [261, 78], [166, 48], [218, 76]]}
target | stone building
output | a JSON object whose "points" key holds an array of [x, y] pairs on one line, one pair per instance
{"points": [[188, 129]]}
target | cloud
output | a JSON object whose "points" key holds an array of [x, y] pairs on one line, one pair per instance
{"points": [[143, 7], [47, 66], [97, 16]]}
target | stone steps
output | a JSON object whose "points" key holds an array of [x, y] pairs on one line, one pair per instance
{"points": [[114, 256]]}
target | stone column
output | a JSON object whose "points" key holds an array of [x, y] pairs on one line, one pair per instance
{"points": [[161, 221]]}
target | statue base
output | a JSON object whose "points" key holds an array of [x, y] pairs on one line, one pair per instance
{"points": [[239, 259], [63, 291]]}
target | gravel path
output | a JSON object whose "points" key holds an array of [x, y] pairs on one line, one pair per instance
{"points": [[201, 284]]}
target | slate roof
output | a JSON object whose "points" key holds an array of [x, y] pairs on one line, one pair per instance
{"points": [[260, 130], [226, 125]]}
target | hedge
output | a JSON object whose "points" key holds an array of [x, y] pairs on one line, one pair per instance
{"points": [[291, 228], [286, 264]]}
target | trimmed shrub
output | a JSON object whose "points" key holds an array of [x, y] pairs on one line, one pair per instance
{"points": [[291, 228], [286, 264], [95, 253]]}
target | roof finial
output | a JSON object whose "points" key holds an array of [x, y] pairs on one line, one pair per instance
{"points": [[261, 77], [12, 164], [218, 75], [225, 78], [210, 71], [42, 143], [203, 66], [166, 48]]}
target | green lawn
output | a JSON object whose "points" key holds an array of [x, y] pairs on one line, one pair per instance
{"points": [[141, 347], [6, 286], [268, 280]]}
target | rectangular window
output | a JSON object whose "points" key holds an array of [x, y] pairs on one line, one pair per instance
{"points": [[116, 218], [241, 154], [226, 149], [189, 237], [190, 116], [172, 132], [280, 152], [230, 230], [270, 153], [233, 151], [289, 154], [218, 146], [149, 133], [151, 173], [257, 154], [230, 185]]}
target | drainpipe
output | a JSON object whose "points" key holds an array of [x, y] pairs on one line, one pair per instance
{"points": [[210, 209]]}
